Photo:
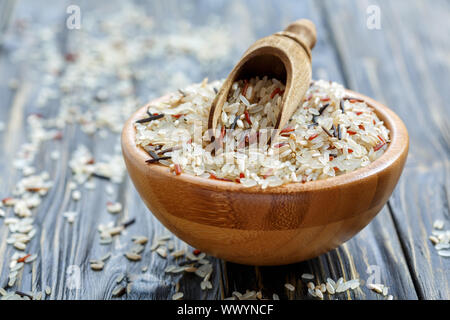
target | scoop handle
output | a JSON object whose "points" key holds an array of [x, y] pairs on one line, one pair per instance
{"points": [[304, 32]]}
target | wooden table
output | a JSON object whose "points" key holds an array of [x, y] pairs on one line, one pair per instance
{"points": [[404, 64]]}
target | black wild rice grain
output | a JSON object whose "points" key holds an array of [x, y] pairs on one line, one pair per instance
{"points": [[334, 130], [314, 119], [129, 223], [186, 262], [339, 132], [327, 132], [23, 294], [341, 104], [153, 154], [100, 176], [182, 92], [233, 125], [321, 110], [352, 98], [157, 159], [151, 118], [120, 291], [215, 90]]}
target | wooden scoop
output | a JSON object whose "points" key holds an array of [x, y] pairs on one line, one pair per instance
{"points": [[286, 56]]}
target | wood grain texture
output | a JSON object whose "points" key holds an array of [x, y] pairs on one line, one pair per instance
{"points": [[412, 84], [390, 65], [65, 250], [286, 56]]}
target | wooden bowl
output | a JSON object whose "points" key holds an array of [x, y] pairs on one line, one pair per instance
{"points": [[275, 226]]}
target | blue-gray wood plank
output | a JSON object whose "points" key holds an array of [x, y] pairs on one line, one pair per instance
{"points": [[405, 65]]}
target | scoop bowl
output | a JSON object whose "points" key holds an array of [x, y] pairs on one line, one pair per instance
{"points": [[273, 226]]}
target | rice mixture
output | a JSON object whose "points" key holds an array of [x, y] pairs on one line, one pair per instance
{"points": [[328, 135]]}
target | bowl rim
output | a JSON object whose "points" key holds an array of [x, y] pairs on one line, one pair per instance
{"points": [[397, 147]]}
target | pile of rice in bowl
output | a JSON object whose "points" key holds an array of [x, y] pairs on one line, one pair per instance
{"points": [[328, 135]]}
